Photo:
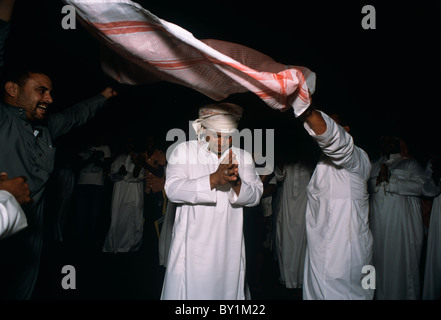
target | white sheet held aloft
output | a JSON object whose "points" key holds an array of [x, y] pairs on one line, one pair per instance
{"points": [[142, 48]]}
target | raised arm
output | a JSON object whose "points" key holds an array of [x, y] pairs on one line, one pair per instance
{"points": [[61, 122], [336, 143], [314, 120]]}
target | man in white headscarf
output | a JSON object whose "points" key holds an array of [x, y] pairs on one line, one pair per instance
{"points": [[210, 181]]}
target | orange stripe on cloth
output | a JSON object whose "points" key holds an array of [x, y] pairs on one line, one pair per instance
{"points": [[142, 48], [178, 64]]}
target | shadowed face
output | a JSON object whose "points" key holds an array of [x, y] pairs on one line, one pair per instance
{"points": [[130, 145], [390, 145], [218, 142], [150, 144]]}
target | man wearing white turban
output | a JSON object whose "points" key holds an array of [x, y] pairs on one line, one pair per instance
{"points": [[210, 181]]}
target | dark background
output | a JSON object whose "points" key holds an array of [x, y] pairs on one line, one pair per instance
{"points": [[385, 81]]}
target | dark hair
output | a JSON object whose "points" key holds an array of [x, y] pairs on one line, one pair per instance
{"points": [[342, 120], [20, 73]]}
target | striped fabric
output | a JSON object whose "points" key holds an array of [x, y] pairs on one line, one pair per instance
{"points": [[141, 48]]}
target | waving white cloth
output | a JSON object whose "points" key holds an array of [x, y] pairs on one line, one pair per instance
{"points": [[142, 48]]}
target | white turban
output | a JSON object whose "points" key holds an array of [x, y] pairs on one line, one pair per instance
{"points": [[220, 117]]}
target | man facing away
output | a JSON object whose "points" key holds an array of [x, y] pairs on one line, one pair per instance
{"points": [[339, 242]]}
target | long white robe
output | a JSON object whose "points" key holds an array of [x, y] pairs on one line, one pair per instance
{"points": [[397, 228], [291, 224], [12, 217], [432, 273], [125, 232], [207, 254], [339, 242], [166, 233]]}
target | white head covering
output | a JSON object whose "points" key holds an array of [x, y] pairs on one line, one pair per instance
{"points": [[220, 117]]}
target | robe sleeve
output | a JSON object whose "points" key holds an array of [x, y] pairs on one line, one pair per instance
{"points": [[12, 217], [131, 179], [251, 189], [178, 185], [280, 175], [115, 176], [114, 170], [409, 184], [430, 188], [61, 122], [372, 185], [339, 147]]}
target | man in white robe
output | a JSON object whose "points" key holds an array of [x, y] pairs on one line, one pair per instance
{"points": [[395, 187], [291, 229], [339, 242], [210, 181], [125, 233], [432, 273]]}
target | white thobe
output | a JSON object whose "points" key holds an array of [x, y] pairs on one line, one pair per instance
{"points": [[166, 233], [207, 254], [339, 242], [125, 232], [12, 217], [397, 227], [432, 273], [291, 229]]}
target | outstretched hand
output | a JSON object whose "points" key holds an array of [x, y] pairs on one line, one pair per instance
{"points": [[109, 92]]}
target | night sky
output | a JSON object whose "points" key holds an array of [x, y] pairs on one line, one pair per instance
{"points": [[384, 81]]}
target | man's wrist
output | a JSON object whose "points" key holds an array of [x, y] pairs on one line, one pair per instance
{"points": [[306, 113], [213, 181]]}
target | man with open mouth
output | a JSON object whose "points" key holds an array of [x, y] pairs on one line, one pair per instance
{"points": [[27, 132]]}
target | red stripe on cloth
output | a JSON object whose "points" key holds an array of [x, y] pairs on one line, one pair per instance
{"points": [[128, 30], [123, 24], [124, 27], [178, 64], [259, 76], [141, 48]]}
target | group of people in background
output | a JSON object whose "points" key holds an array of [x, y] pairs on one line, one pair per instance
{"points": [[403, 221], [98, 180]]}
